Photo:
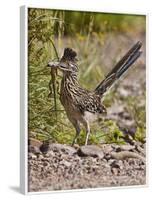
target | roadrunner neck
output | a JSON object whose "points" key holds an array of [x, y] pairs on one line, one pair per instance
{"points": [[69, 79], [69, 88]]}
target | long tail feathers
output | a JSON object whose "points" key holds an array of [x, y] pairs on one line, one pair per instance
{"points": [[119, 69]]}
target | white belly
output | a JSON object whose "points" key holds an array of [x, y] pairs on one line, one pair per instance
{"points": [[90, 116]]}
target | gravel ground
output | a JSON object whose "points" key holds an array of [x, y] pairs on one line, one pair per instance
{"points": [[61, 167]]}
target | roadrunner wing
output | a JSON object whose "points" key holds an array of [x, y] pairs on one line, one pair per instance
{"points": [[119, 69]]}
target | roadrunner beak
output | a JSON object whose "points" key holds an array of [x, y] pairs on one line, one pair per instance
{"points": [[58, 65], [53, 64]]}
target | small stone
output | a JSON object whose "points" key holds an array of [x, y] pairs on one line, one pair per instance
{"points": [[44, 147], [114, 171], [65, 163], [110, 161], [106, 148], [127, 147], [50, 154], [34, 142], [107, 157], [115, 147], [76, 146], [32, 156], [40, 157], [33, 149], [115, 164], [61, 148], [45, 163]]}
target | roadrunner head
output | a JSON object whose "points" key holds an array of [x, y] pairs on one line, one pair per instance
{"points": [[67, 63]]}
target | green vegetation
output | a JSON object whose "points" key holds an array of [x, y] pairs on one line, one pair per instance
{"points": [[49, 32]]}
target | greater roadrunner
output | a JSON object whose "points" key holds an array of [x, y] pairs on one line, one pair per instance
{"points": [[80, 103]]}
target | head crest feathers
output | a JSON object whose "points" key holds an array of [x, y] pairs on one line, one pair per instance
{"points": [[69, 55]]}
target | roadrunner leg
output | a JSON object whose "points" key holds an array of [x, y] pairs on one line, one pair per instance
{"points": [[87, 127], [77, 128]]}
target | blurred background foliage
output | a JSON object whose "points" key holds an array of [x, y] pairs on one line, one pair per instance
{"points": [[96, 37]]}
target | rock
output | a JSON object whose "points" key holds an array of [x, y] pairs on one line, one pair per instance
{"points": [[76, 146], [106, 148], [57, 148], [107, 157], [126, 154], [127, 147], [34, 145], [110, 161], [91, 150], [50, 154], [44, 148], [32, 156], [33, 149], [65, 163], [117, 164], [34, 142], [115, 171], [140, 149], [63, 148], [45, 163], [116, 147], [40, 157]]}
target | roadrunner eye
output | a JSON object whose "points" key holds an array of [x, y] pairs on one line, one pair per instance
{"points": [[63, 65]]}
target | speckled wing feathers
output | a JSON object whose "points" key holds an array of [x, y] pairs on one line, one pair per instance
{"points": [[91, 103]]}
